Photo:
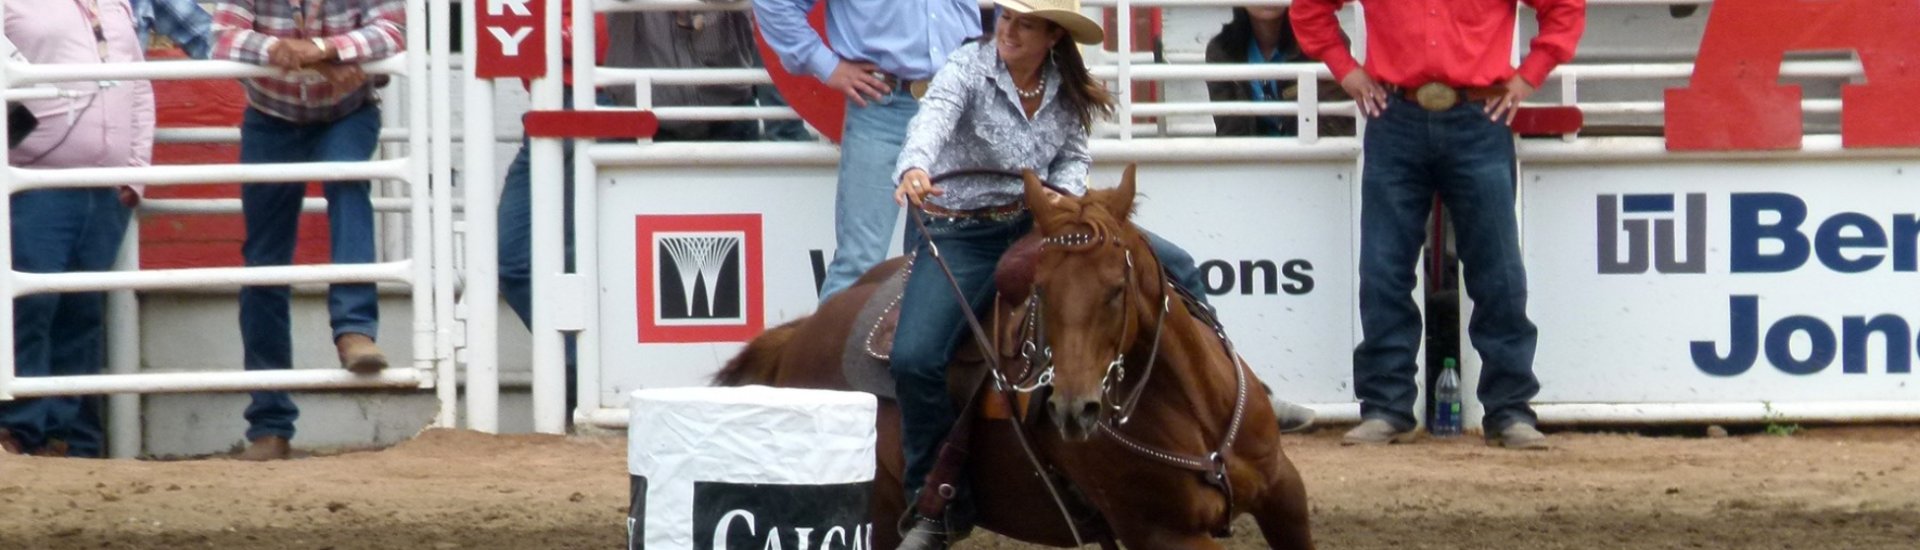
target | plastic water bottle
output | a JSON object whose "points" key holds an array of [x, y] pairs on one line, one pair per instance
{"points": [[1446, 402]]}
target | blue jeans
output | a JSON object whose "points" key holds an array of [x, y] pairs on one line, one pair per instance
{"points": [[272, 214], [516, 243], [864, 212], [932, 324], [57, 231], [1469, 160]]}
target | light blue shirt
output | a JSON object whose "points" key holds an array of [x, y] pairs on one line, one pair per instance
{"points": [[910, 39], [182, 21]]}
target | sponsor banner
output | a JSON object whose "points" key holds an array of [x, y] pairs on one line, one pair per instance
{"points": [[699, 277], [754, 515], [1722, 282], [1275, 242], [750, 468], [512, 42]]}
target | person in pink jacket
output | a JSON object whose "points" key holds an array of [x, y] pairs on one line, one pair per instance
{"points": [[97, 125]]}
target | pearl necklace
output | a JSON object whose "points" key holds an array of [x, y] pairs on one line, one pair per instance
{"points": [[1038, 87]]}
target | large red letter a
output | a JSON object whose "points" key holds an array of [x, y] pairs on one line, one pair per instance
{"points": [[1735, 100]]}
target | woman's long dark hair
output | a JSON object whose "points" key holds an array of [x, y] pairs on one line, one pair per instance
{"points": [[1085, 97], [1235, 35]]}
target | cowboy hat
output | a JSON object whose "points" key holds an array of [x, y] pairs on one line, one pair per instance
{"points": [[1065, 13]]}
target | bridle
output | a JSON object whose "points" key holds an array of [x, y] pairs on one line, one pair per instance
{"points": [[1039, 355], [1037, 351], [1212, 467]]}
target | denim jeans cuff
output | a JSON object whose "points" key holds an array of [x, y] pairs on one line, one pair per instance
{"points": [[257, 432], [371, 332]]}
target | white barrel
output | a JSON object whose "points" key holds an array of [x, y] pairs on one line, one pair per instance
{"points": [[731, 468]]}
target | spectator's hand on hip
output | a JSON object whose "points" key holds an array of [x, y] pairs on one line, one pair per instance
{"points": [[1368, 96], [1503, 108], [855, 80], [915, 187]]}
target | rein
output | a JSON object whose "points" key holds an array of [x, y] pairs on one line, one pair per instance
{"points": [[993, 362], [1213, 466]]}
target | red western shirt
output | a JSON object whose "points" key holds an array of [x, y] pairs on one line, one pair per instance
{"points": [[1462, 43]]}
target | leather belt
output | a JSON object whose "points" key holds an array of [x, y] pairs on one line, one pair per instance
{"points": [[1437, 97], [916, 87], [995, 213]]}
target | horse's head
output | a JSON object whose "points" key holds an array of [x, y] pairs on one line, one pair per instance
{"points": [[1095, 284]]}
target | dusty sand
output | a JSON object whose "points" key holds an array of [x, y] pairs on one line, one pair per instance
{"points": [[1824, 488]]}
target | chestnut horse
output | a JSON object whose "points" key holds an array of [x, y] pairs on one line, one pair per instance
{"points": [[1112, 326]]}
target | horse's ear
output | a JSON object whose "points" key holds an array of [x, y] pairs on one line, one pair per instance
{"points": [[1043, 202], [1120, 201]]}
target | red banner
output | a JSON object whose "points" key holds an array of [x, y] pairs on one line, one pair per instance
{"points": [[511, 39], [1736, 102], [819, 105]]}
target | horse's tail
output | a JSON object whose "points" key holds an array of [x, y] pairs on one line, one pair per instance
{"points": [[758, 362]]}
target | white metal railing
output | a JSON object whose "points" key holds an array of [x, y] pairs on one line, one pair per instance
{"points": [[426, 370], [1124, 140]]}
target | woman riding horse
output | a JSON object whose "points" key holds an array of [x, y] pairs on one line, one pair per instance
{"points": [[1022, 100]]}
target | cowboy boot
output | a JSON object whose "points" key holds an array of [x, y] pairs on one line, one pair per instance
{"points": [[926, 534], [265, 448], [53, 449], [9, 444], [1293, 418], [359, 355]]}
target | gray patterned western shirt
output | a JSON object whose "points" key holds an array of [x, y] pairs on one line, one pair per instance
{"points": [[971, 119]]}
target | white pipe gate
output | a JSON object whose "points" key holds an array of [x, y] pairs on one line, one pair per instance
{"points": [[430, 366], [451, 264]]}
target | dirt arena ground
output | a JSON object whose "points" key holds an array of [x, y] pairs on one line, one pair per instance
{"points": [[1827, 487]]}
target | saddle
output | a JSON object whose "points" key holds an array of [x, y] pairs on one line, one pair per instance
{"points": [[870, 345]]}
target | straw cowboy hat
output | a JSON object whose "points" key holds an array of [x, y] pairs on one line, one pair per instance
{"points": [[1065, 13]]}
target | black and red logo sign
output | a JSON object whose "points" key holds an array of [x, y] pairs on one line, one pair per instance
{"points": [[699, 277]]}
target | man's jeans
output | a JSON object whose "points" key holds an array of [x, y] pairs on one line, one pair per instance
{"points": [[272, 213], [57, 231], [1469, 160], [864, 211], [516, 243], [931, 322]]}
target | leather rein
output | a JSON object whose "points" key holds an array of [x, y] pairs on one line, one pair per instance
{"points": [[1213, 466]]}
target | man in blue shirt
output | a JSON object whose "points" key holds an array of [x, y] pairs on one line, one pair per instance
{"points": [[882, 50], [182, 21]]}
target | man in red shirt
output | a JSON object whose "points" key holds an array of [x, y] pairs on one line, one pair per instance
{"points": [[1439, 90]]}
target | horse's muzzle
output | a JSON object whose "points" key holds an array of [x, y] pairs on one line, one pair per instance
{"points": [[1075, 417]]}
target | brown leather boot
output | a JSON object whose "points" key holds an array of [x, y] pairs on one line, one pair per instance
{"points": [[10, 445], [265, 448], [358, 354], [53, 449]]}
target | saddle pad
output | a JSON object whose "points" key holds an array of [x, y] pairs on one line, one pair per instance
{"points": [[864, 359], [866, 353]]}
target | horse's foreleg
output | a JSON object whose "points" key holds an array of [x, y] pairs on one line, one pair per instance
{"points": [[1282, 512]]}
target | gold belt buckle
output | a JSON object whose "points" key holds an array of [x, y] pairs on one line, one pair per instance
{"points": [[918, 88], [1436, 97]]}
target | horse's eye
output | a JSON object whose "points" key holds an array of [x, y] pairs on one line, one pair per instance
{"points": [[1114, 297]]}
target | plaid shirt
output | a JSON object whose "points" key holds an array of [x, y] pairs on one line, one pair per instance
{"points": [[359, 30]]}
